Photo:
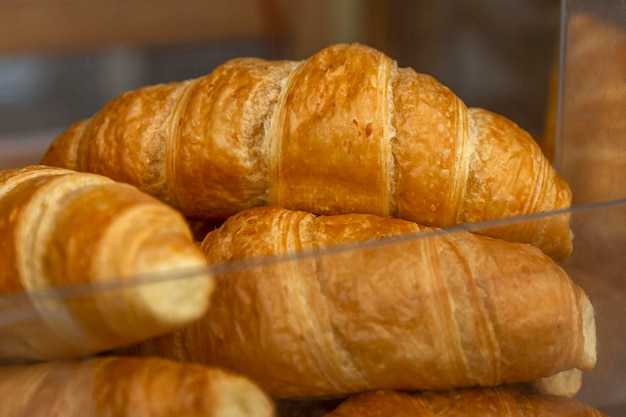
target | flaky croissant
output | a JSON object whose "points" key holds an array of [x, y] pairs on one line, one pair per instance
{"points": [[485, 402], [343, 131], [89, 264], [429, 311], [128, 387]]}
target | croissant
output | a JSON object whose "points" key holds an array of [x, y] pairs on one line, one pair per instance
{"points": [[122, 387], [414, 308], [485, 402], [343, 131], [83, 265]]}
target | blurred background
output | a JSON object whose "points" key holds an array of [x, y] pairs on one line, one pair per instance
{"points": [[62, 60]]}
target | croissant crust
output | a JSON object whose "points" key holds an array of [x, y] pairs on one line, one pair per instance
{"points": [[343, 131]]}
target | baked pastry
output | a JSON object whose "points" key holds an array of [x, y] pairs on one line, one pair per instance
{"points": [[123, 387], [89, 264], [486, 402], [563, 384], [343, 131], [306, 313]]}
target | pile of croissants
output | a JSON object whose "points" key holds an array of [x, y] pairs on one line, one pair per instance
{"points": [[336, 236]]}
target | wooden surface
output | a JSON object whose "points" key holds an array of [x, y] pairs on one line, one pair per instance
{"points": [[56, 25], [71, 25]]}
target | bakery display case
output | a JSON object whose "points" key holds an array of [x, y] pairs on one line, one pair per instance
{"points": [[429, 309], [313, 322], [590, 155]]}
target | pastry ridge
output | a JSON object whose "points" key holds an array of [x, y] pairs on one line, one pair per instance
{"points": [[361, 302], [82, 258], [342, 131]]}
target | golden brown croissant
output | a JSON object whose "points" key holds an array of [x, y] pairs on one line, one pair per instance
{"points": [[85, 264], [125, 387], [479, 402], [430, 311], [343, 131]]}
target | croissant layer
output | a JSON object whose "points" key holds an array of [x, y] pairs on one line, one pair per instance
{"points": [[485, 402], [122, 387], [343, 131], [414, 308], [83, 265]]}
